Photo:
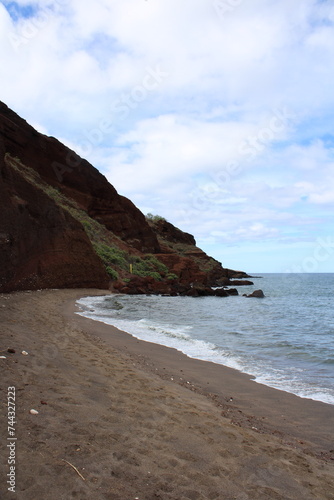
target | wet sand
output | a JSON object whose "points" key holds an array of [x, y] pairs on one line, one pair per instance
{"points": [[123, 419]]}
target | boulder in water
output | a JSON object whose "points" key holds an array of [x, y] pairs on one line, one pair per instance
{"points": [[257, 294]]}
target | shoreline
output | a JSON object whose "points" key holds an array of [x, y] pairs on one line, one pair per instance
{"points": [[304, 390], [296, 418], [114, 409]]}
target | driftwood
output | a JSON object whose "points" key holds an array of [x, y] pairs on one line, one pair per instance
{"points": [[76, 470]]}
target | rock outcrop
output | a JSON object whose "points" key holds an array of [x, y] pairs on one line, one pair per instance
{"points": [[258, 294], [41, 245], [63, 169], [64, 225], [181, 255]]}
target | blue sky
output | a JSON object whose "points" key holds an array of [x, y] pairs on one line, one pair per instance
{"points": [[18, 10], [216, 114]]}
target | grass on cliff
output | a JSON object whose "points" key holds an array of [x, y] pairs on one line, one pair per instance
{"points": [[154, 218], [105, 243], [139, 266]]}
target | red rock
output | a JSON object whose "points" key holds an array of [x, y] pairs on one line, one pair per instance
{"points": [[43, 246], [185, 268], [171, 233]]}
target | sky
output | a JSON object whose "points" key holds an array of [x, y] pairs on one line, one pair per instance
{"points": [[215, 114]]}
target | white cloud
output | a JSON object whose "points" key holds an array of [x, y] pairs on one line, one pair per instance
{"points": [[203, 146], [326, 197], [169, 147]]}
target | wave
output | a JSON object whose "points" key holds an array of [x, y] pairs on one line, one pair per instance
{"points": [[181, 337]]}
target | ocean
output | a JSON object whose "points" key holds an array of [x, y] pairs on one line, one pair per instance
{"points": [[285, 340]]}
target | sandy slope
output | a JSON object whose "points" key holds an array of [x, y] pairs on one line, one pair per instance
{"points": [[114, 413]]}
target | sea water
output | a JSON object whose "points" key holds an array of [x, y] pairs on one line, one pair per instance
{"points": [[285, 340]]}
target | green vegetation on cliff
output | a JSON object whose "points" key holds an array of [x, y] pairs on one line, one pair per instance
{"points": [[105, 243]]}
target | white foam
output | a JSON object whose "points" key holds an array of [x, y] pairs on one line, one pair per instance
{"points": [[296, 387], [179, 337], [174, 336]]}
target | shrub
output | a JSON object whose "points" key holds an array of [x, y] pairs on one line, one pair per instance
{"points": [[146, 274], [172, 276], [149, 266], [155, 263], [110, 255], [112, 273], [87, 225], [154, 218]]}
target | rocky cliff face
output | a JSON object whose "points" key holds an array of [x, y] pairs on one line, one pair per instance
{"points": [[178, 251], [75, 177], [63, 225], [41, 245]]}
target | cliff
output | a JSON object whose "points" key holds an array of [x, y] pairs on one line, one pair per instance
{"points": [[63, 225]]}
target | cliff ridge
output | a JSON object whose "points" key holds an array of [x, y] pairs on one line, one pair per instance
{"points": [[64, 225]]}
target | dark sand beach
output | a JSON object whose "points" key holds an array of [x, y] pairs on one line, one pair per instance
{"points": [[123, 419]]}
